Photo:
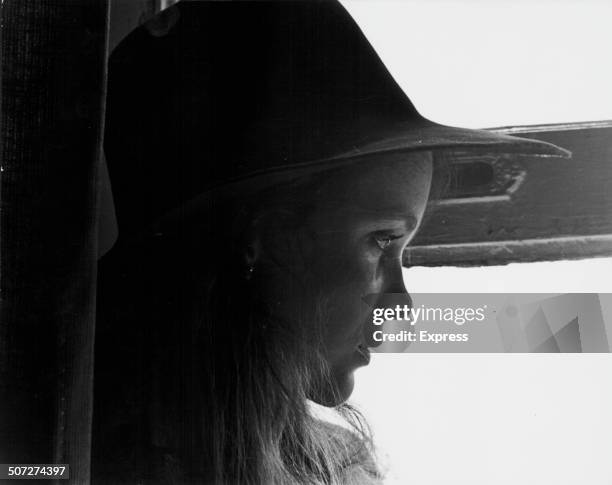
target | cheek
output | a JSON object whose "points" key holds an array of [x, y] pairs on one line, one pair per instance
{"points": [[344, 288], [344, 277], [331, 286], [346, 265]]}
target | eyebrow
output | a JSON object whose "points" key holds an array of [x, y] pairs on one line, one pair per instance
{"points": [[410, 222], [393, 216]]}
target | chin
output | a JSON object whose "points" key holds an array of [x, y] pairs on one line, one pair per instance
{"points": [[342, 387]]}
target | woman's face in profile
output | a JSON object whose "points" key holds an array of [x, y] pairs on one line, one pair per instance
{"points": [[363, 219]]}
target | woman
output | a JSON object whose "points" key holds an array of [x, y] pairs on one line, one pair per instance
{"points": [[268, 174], [265, 313]]}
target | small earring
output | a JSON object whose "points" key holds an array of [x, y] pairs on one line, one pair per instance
{"points": [[249, 273]]}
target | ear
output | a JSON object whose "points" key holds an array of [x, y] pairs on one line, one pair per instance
{"points": [[252, 250]]}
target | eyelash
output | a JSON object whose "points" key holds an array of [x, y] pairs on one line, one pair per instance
{"points": [[383, 241]]}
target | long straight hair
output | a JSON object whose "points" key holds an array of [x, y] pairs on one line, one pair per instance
{"points": [[226, 384]]}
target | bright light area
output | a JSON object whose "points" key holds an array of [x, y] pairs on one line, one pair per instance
{"points": [[476, 63], [494, 419], [519, 419], [503, 419]]}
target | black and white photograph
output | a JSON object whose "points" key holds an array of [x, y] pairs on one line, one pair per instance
{"points": [[306, 242]]}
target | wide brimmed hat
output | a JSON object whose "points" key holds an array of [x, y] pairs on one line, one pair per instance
{"points": [[212, 93]]}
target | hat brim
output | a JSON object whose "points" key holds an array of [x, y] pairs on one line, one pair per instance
{"points": [[410, 137], [441, 138], [403, 138]]}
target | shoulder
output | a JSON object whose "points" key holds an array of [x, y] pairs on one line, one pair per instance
{"points": [[361, 467]]}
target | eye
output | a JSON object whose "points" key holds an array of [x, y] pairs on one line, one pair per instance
{"points": [[383, 241]]}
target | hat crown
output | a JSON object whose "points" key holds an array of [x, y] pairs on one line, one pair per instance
{"points": [[240, 87]]}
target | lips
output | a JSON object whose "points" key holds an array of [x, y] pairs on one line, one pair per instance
{"points": [[363, 353]]}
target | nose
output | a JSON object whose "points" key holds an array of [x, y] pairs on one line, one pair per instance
{"points": [[393, 295], [394, 285]]}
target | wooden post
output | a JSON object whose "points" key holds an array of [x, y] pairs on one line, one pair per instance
{"points": [[53, 86]]}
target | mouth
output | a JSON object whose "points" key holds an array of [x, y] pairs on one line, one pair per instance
{"points": [[364, 353]]}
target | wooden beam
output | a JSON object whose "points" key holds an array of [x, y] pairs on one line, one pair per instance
{"points": [[531, 209]]}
